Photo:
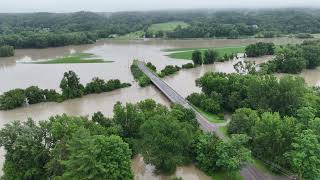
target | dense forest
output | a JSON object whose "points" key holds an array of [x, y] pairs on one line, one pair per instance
{"points": [[281, 117], [66, 147], [41, 30], [294, 58]]}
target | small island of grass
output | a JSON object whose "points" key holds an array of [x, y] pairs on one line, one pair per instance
{"points": [[186, 53], [75, 59]]}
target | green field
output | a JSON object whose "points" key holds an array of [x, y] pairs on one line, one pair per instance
{"points": [[186, 53], [133, 35], [166, 27], [74, 59], [213, 118]]}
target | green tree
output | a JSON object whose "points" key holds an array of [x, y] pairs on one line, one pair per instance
{"points": [[70, 86], [165, 142], [26, 155], [311, 53], [242, 121], [197, 57], [34, 95], [12, 99], [97, 157], [233, 155], [206, 153], [304, 156], [129, 117], [210, 56], [99, 118], [6, 51], [272, 137]]}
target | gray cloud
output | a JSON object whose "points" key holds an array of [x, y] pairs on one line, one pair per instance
{"points": [[130, 5]]}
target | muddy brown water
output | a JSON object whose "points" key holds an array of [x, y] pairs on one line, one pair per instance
{"points": [[16, 74]]}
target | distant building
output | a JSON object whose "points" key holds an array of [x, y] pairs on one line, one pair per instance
{"points": [[113, 36], [255, 26]]}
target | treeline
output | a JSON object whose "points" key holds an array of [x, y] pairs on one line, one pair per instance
{"points": [[6, 51], [47, 39], [39, 30], [66, 147], [168, 70], [281, 117], [260, 49], [294, 58], [70, 87], [210, 56], [262, 23]]}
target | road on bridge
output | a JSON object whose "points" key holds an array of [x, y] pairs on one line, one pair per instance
{"points": [[249, 172]]}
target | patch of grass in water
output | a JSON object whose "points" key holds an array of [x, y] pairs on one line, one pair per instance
{"points": [[186, 53], [74, 59]]}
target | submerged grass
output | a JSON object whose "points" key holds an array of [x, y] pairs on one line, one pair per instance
{"points": [[186, 53], [74, 59]]}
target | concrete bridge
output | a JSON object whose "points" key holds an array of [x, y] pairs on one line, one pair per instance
{"points": [[249, 172]]}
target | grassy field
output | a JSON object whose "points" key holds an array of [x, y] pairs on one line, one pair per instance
{"points": [[133, 35], [166, 27], [186, 53], [211, 117], [74, 59]]}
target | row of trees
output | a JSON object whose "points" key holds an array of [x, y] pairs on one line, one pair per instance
{"points": [[66, 147], [280, 117], [6, 51], [70, 86], [47, 39], [207, 57], [144, 81], [295, 58], [39, 30], [260, 49]]}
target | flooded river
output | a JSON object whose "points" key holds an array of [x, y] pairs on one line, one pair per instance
{"points": [[14, 74]]}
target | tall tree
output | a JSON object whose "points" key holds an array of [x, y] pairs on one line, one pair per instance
{"points": [[165, 142], [197, 57], [70, 85], [97, 157], [304, 157]]}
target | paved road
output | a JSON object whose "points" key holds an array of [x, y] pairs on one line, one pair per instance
{"points": [[249, 172]]}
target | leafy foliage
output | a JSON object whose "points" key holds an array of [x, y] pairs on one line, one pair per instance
{"points": [[6, 51]]}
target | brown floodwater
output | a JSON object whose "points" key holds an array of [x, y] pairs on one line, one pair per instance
{"points": [[16, 74]]}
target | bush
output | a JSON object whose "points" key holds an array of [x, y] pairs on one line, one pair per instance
{"points": [[34, 95], [188, 66], [169, 70], [52, 95], [260, 49], [152, 67], [6, 51], [12, 99]]}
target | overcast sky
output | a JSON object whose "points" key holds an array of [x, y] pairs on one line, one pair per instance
{"points": [[132, 5]]}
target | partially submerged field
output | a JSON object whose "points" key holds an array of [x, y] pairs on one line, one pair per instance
{"points": [[186, 53], [74, 59]]}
